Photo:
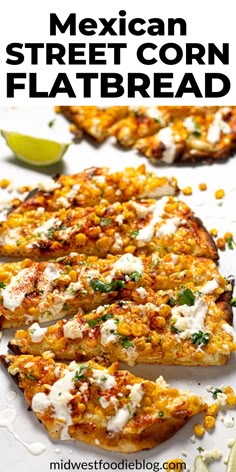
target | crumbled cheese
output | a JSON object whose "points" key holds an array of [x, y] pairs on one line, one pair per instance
{"points": [[210, 286], [190, 124], [108, 330], [42, 231], [157, 210], [102, 379], [155, 260], [161, 383], [155, 113], [228, 421], [166, 137], [100, 179], [214, 454], [128, 264], [168, 228], [119, 219], [231, 442], [73, 192], [48, 185], [190, 319], [63, 202], [229, 330], [72, 288], [36, 333], [193, 439], [218, 126], [131, 354], [184, 453], [142, 292], [174, 258], [118, 244], [142, 210], [123, 415], [72, 329], [221, 399], [21, 284], [40, 211]]}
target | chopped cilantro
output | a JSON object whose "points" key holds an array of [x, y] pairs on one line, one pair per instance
{"points": [[104, 378], [2, 285], [197, 134], [105, 287], [173, 328], [161, 414], [51, 123], [220, 204], [41, 292], [156, 120], [200, 338], [135, 276], [171, 301], [105, 221], [134, 233], [59, 259], [214, 391], [200, 449], [31, 377], [65, 307], [186, 297], [51, 233], [32, 330], [230, 242], [125, 342], [149, 339], [79, 374], [63, 227], [102, 193], [233, 302], [94, 322]]}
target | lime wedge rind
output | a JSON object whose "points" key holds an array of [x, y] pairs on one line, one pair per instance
{"points": [[231, 466], [34, 151], [199, 465]]}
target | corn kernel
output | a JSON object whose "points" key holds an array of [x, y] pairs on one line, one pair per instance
{"points": [[137, 329], [103, 244], [231, 400], [202, 186], [81, 407], [187, 191], [199, 431], [212, 410], [160, 322], [228, 389], [220, 242], [73, 128], [228, 235], [219, 194], [155, 338], [73, 275], [80, 239], [130, 248], [165, 310], [4, 183], [209, 422], [32, 310], [214, 232], [124, 328]]}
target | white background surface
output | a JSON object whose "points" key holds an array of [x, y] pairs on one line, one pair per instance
{"points": [[220, 175]]}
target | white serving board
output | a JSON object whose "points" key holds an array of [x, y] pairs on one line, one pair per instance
{"points": [[14, 455]]}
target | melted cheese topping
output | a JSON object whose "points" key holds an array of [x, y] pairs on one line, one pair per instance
{"points": [[218, 126], [21, 284], [157, 210], [190, 319], [72, 330], [229, 330], [190, 124], [42, 231], [155, 113], [36, 333], [166, 137], [108, 330], [169, 228], [123, 415], [128, 264]]}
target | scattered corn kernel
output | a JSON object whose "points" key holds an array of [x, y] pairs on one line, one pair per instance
{"points": [[187, 191], [219, 194], [80, 239], [231, 400], [212, 410], [124, 328], [214, 232], [202, 186], [209, 422], [199, 431], [228, 235], [220, 242], [4, 183]]}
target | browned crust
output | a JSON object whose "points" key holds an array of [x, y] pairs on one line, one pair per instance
{"points": [[205, 238]]}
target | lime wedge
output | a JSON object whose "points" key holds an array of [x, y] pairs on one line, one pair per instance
{"points": [[199, 465], [231, 466], [34, 151]]}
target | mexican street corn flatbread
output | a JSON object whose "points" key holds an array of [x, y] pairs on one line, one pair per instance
{"points": [[106, 407], [165, 225], [189, 330], [44, 291]]}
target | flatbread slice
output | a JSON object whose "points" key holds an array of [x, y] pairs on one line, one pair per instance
{"points": [[96, 184], [45, 291], [94, 121], [182, 329], [194, 137], [105, 407], [166, 225]]}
